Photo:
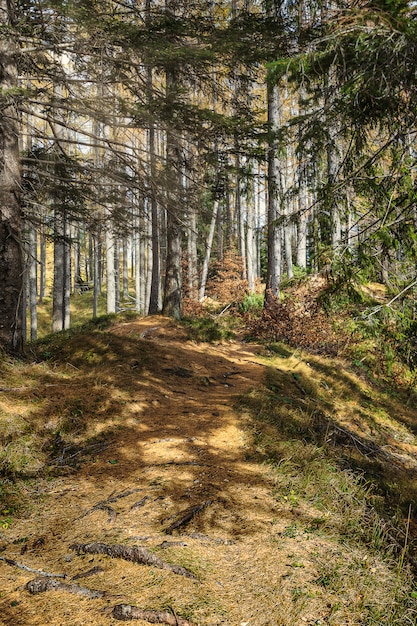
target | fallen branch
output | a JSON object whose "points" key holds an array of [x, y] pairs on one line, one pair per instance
{"points": [[364, 447], [39, 585], [91, 572], [14, 563], [187, 516], [126, 612], [135, 554]]}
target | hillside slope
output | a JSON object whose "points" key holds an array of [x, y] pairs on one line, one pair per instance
{"points": [[230, 463]]}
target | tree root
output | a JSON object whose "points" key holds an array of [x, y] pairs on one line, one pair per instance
{"points": [[126, 612], [91, 572], [14, 563], [100, 506], [113, 497], [136, 554], [140, 503], [41, 584], [186, 516]]}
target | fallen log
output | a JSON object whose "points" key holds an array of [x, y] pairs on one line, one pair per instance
{"points": [[135, 554], [126, 612], [42, 584]]}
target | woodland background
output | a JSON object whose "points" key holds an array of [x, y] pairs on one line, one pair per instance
{"points": [[150, 146]]}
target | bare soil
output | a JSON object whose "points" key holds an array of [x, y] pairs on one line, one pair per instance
{"points": [[175, 478]]}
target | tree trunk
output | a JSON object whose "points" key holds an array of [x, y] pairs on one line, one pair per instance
{"points": [[11, 256], [274, 188], [58, 316], [42, 265], [209, 246], [125, 269], [192, 253], [33, 275], [110, 271], [96, 273], [172, 287]]}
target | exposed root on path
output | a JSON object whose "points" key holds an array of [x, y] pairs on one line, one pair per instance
{"points": [[42, 584], [186, 516], [125, 612], [135, 554]]}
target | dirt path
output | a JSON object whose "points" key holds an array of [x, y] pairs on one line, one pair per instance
{"points": [[177, 450]]}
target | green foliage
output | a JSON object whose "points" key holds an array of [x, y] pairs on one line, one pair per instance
{"points": [[207, 329], [252, 303]]}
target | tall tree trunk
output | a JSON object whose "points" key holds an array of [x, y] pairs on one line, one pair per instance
{"points": [[42, 264], [125, 247], [96, 273], [33, 275], [172, 287], [60, 292], [11, 256], [139, 273], [251, 248], [155, 285], [209, 246], [110, 270], [273, 279], [192, 252], [117, 272]]}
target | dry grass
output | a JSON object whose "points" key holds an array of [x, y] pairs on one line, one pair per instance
{"points": [[303, 465]]}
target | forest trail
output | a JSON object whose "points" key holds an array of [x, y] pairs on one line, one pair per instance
{"points": [[165, 466], [176, 445]]}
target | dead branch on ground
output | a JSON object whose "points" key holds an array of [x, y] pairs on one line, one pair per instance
{"points": [[14, 563]]}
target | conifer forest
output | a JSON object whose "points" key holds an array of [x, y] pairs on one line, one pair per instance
{"points": [[208, 314], [143, 142]]}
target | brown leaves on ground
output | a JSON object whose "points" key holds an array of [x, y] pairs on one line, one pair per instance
{"points": [[299, 320]]}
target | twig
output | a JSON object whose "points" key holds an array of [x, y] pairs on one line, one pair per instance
{"points": [[392, 299], [14, 563]]}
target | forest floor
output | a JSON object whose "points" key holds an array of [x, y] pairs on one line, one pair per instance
{"points": [[156, 444]]}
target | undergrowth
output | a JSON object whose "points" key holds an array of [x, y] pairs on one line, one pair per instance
{"points": [[323, 435], [208, 329]]}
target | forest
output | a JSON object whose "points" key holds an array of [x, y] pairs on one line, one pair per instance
{"points": [[144, 143], [208, 319]]}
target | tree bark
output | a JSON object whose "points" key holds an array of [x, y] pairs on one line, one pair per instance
{"points": [[110, 270], [209, 246], [274, 187], [33, 275], [61, 287], [11, 256]]}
